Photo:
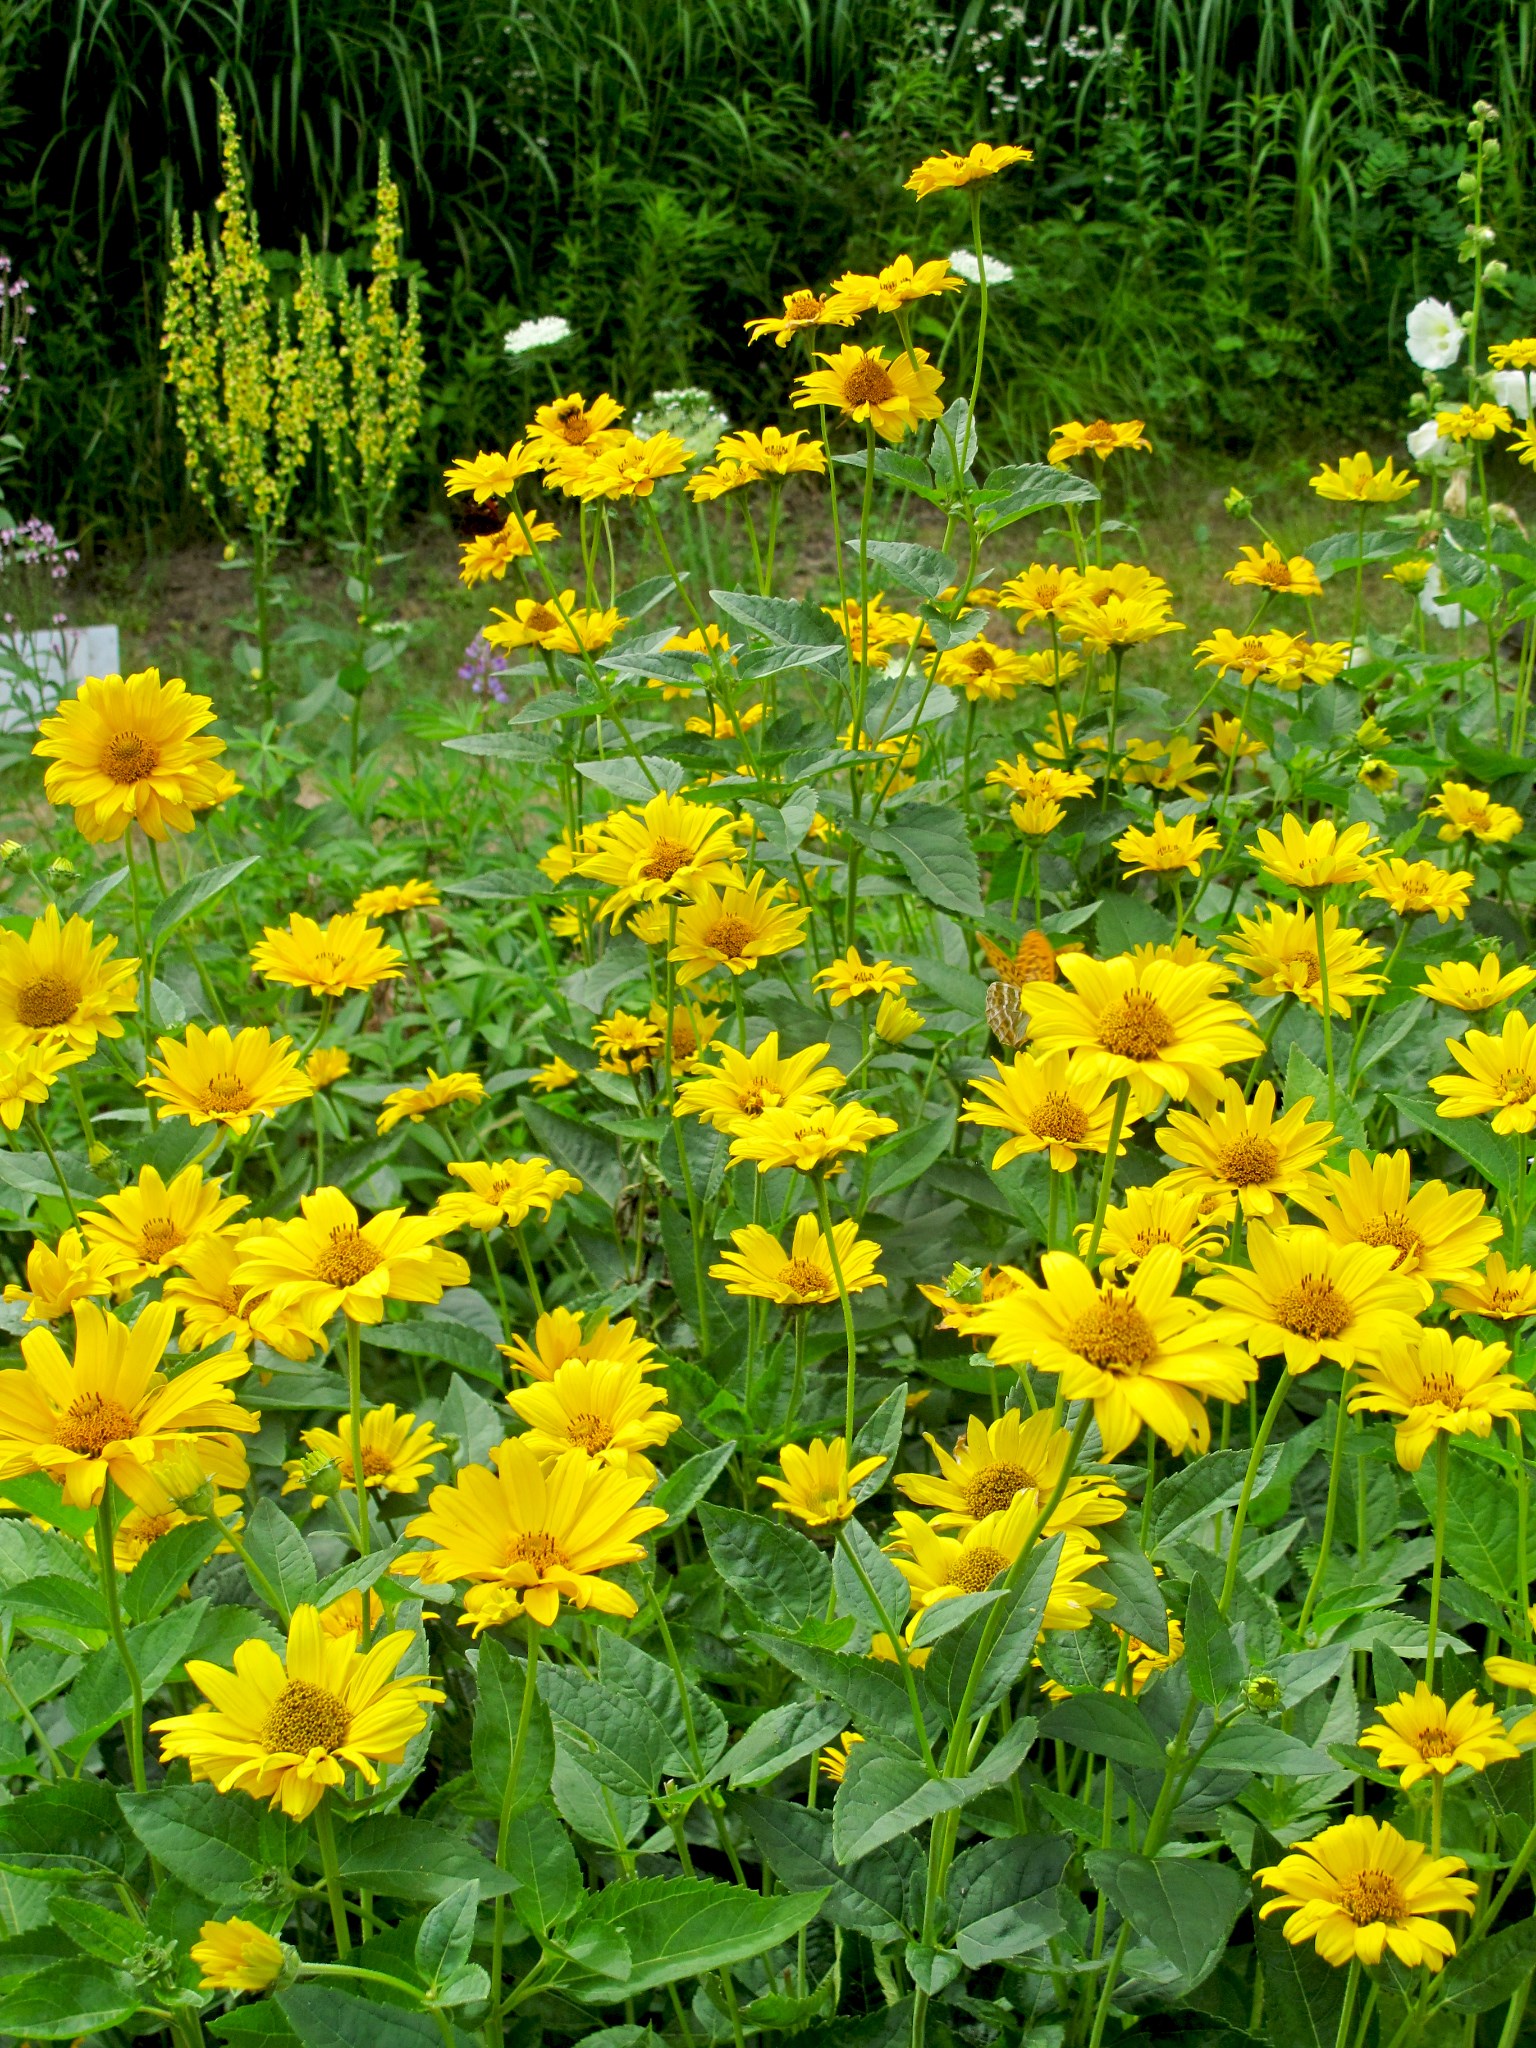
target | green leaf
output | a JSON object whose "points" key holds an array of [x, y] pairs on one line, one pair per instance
{"points": [[872, 1898], [58, 1603], [1023, 488], [1201, 1489], [324, 2017], [191, 896], [1139, 1606], [947, 1672], [1004, 1897], [166, 1566], [67, 1999], [787, 622], [611, 1732], [413, 1859], [921, 569], [933, 845], [542, 1865], [634, 782], [627, 1668], [1123, 922], [880, 1437], [1250, 1745], [1479, 1978], [440, 1337], [681, 1927], [778, 1739], [894, 1594], [882, 1795], [223, 1848], [1303, 1077], [1105, 1724], [36, 1494], [102, 1693], [871, 1692], [682, 1490], [73, 1826], [444, 1937], [953, 448], [500, 1678], [1211, 1658], [1303, 1995], [262, 2025], [278, 1550], [109, 1937], [1494, 1157], [1181, 1907], [908, 1157], [777, 1573], [1480, 1533]]}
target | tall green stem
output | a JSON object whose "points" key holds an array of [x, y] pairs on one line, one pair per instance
{"points": [[1330, 1515], [106, 1565], [493, 2019], [1107, 1176], [1442, 1476], [847, 1306], [355, 1410], [325, 1841], [1260, 1443]]}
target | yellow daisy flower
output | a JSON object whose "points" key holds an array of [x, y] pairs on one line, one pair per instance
{"points": [[150, 1224], [1357, 481], [1039, 594], [947, 172], [1160, 1025], [1437, 1385], [490, 555], [1279, 953], [1360, 1888], [671, 847], [982, 669], [938, 1566], [560, 1334], [1439, 1234], [508, 1192], [61, 1275], [742, 1086], [802, 1277], [1166, 849], [1101, 438], [397, 1453], [632, 468], [860, 384], [1141, 1353], [1243, 1151], [213, 1306], [1512, 1671], [993, 1463], [286, 1729], [1415, 888], [1503, 1293], [531, 1534], [57, 985], [235, 1955], [898, 285], [213, 1078], [1473, 986], [569, 422], [1472, 813], [836, 1758], [1315, 856], [326, 1065], [326, 1259], [1310, 1298], [1268, 569], [802, 309], [439, 1091], [131, 752], [534, 622], [489, 475], [1498, 1077], [813, 1140], [626, 1044], [816, 1482], [853, 976], [1473, 422], [1189, 1221], [735, 928], [773, 453], [333, 959], [395, 898], [109, 1412], [606, 1408], [27, 1073], [896, 1021], [556, 1074], [1061, 1104]]}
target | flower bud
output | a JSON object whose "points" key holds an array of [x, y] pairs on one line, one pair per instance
{"points": [[320, 1473], [964, 1284], [13, 854], [1238, 503], [182, 1475], [1466, 184], [1494, 271], [1485, 110], [1262, 1694]]}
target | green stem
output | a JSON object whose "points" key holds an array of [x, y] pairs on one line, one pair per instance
{"points": [[359, 1478], [1107, 1176], [325, 1840], [847, 1307], [528, 1273], [1330, 1514], [503, 1826], [898, 1647], [53, 1160], [1351, 1992], [1260, 1444], [1442, 1475], [106, 1565]]}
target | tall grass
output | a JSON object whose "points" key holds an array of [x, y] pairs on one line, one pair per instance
{"points": [[1226, 190]]}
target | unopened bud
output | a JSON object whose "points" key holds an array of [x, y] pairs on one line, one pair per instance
{"points": [[1238, 503], [964, 1284], [1263, 1694], [1485, 110], [61, 870], [13, 853], [1494, 270], [182, 1475], [321, 1474], [99, 1155], [1466, 184]]}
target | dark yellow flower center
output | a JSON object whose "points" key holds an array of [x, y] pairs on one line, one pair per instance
{"points": [[594, 1433], [685, 1040], [979, 659], [538, 1548], [305, 1717], [1248, 1162], [1514, 1084], [377, 1464], [667, 856], [92, 1422], [993, 1488], [729, 936], [1439, 1388], [48, 1001], [225, 1095], [868, 384], [572, 424], [1314, 1308], [158, 1237], [803, 306], [542, 620], [1115, 1335], [128, 757], [347, 1258], [975, 1569], [1058, 1118], [150, 1528], [805, 1278], [1394, 1229], [1372, 1895], [1135, 1027]]}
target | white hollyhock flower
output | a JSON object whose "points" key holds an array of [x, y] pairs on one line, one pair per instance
{"points": [[1427, 445], [963, 263], [523, 340], [1448, 615], [1511, 389], [1435, 335]]}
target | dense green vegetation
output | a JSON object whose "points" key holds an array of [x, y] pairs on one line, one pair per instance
{"points": [[1232, 206]]}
